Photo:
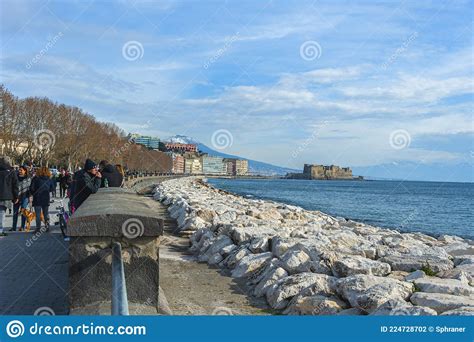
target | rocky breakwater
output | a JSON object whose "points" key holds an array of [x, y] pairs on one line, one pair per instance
{"points": [[309, 263]]}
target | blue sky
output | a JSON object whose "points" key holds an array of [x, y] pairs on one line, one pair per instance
{"points": [[389, 83]]}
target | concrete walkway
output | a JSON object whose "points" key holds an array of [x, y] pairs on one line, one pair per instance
{"points": [[34, 271]]}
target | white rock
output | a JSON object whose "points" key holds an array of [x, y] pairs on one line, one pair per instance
{"points": [[415, 275], [259, 245], [315, 305], [215, 259], [350, 265], [462, 311], [351, 312], [250, 263], [296, 261], [402, 308], [271, 278], [439, 285], [279, 293], [409, 263], [368, 292], [440, 301]]}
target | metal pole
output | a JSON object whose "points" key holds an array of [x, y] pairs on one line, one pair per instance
{"points": [[119, 288]]}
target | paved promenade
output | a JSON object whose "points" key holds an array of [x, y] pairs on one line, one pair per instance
{"points": [[34, 271]]}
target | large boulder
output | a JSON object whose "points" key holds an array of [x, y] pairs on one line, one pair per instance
{"points": [[296, 261], [268, 280], [283, 290], [410, 263], [315, 305], [441, 302], [368, 292], [439, 285], [353, 264], [399, 307], [462, 311], [250, 263]]}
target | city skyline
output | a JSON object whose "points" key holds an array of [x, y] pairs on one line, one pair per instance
{"points": [[373, 86]]}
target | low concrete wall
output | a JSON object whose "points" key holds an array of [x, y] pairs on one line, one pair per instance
{"points": [[114, 214]]}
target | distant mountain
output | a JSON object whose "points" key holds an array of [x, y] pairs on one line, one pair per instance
{"points": [[255, 167], [437, 172]]}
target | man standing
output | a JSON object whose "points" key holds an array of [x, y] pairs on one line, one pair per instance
{"points": [[8, 188], [85, 182]]}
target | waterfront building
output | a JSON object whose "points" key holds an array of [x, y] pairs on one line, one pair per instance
{"points": [[192, 165], [147, 141], [178, 147], [178, 162], [236, 167], [212, 165]]}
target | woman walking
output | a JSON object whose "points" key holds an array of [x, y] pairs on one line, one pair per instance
{"points": [[24, 183], [41, 187]]}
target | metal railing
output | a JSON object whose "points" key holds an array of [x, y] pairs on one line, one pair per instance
{"points": [[119, 287]]}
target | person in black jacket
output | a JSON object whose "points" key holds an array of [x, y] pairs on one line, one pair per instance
{"points": [[8, 188], [64, 181], [24, 183], [111, 177], [40, 188], [85, 182]]}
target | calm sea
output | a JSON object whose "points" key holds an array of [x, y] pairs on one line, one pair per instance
{"points": [[429, 207]]}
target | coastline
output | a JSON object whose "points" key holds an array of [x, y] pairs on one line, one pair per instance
{"points": [[308, 262]]}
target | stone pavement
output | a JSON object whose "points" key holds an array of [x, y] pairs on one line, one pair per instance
{"points": [[34, 271]]}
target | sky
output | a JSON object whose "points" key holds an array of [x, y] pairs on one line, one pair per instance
{"points": [[385, 87]]}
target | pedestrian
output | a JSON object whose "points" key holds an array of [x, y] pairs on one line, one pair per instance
{"points": [[64, 181], [85, 182], [24, 182], [111, 177], [8, 189], [54, 182], [40, 188]]}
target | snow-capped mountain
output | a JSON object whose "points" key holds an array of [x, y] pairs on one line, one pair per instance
{"points": [[255, 167]]}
